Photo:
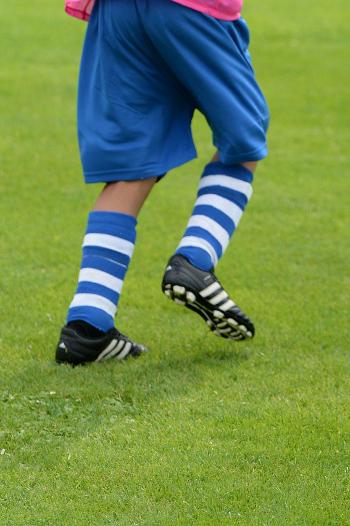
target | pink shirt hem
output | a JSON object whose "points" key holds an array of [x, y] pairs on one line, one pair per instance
{"points": [[216, 13], [224, 9], [82, 15]]}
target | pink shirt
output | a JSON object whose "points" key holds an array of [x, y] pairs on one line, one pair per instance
{"points": [[223, 9]]}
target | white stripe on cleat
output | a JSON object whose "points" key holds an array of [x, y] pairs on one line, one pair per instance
{"points": [[210, 290], [106, 351], [227, 305], [125, 351], [219, 298], [115, 350]]}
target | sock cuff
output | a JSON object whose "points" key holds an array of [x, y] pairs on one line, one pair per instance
{"points": [[232, 170], [112, 218], [113, 224]]}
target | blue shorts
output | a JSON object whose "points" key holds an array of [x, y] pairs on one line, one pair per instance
{"points": [[146, 66]]}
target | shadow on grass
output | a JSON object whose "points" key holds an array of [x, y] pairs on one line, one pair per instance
{"points": [[51, 402]]}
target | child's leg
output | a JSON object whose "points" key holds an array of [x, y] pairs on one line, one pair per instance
{"points": [[251, 166], [107, 250], [108, 246], [133, 125], [224, 192], [211, 58], [125, 197]]}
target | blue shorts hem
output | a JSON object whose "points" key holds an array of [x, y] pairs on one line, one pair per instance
{"points": [[254, 155], [157, 170]]}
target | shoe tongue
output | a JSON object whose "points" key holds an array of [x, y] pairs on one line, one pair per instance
{"points": [[85, 329], [114, 332]]}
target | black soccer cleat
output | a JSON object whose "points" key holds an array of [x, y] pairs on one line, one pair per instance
{"points": [[76, 349], [201, 292]]}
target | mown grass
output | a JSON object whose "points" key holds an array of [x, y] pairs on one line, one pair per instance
{"points": [[201, 431]]}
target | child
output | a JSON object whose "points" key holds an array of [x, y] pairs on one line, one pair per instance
{"points": [[146, 66]]}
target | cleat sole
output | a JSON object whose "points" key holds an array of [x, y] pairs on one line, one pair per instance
{"points": [[219, 322]]}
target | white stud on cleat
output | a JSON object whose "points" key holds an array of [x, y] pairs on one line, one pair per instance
{"points": [[249, 334], [168, 286], [243, 329], [218, 314], [232, 322], [225, 331], [179, 291], [236, 336], [190, 297], [210, 323], [167, 293]]}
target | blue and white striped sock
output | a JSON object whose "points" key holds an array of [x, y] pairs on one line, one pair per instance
{"points": [[107, 249], [223, 194]]}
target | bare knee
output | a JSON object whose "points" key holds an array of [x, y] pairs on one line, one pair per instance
{"points": [[251, 166], [125, 196]]}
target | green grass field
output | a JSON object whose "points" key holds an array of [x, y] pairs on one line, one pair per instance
{"points": [[201, 431]]}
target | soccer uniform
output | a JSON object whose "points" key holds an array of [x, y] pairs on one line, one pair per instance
{"points": [[146, 66]]}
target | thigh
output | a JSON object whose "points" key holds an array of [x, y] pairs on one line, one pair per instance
{"points": [[133, 115], [210, 58]]}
